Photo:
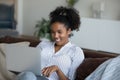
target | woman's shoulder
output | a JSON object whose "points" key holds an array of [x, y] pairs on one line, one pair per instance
{"points": [[45, 44], [74, 47], [76, 50]]}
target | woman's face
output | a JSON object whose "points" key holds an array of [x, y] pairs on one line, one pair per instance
{"points": [[59, 33]]}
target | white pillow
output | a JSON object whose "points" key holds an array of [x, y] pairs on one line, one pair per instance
{"points": [[23, 58], [4, 73], [3, 45], [20, 57], [3, 67]]}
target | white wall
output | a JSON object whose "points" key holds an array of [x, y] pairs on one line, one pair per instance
{"points": [[111, 8], [19, 14], [34, 10], [92, 33], [8, 2], [98, 35]]}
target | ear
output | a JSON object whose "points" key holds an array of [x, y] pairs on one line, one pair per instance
{"points": [[69, 31]]}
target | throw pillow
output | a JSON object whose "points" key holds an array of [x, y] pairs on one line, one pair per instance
{"points": [[3, 45], [88, 66], [4, 73]]}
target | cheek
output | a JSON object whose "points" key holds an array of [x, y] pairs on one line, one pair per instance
{"points": [[65, 36], [61, 36]]}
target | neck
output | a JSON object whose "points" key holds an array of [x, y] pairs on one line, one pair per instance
{"points": [[58, 47]]}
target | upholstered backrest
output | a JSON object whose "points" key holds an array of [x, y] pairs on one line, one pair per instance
{"points": [[9, 39], [98, 54]]}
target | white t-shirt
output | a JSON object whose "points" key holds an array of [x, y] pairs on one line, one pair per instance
{"points": [[68, 58]]}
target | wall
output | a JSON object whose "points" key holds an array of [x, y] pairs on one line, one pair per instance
{"points": [[111, 9], [34, 10], [98, 35], [93, 31], [19, 16], [9, 2]]}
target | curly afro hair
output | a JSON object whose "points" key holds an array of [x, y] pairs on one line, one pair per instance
{"points": [[68, 16]]}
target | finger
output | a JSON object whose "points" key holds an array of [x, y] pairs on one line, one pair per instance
{"points": [[51, 69], [50, 73], [46, 72], [43, 70]]}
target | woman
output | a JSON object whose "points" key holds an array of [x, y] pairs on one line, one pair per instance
{"points": [[60, 58]]}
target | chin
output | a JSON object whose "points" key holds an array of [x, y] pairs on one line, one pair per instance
{"points": [[58, 43]]}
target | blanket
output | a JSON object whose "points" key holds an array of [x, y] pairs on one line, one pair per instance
{"points": [[109, 70]]}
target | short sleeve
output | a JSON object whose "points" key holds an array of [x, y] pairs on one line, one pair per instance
{"points": [[77, 59], [43, 44]]}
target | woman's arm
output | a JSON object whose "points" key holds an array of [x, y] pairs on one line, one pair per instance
{"points": [[48, 70], [77, 58]]}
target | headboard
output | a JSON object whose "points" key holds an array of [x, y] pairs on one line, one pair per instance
{"points": [[7, 20]]}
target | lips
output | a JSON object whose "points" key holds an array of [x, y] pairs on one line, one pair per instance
{"points": [[57, 40]]}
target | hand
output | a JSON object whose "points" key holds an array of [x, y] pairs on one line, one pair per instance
{"points": [[48, 70]]}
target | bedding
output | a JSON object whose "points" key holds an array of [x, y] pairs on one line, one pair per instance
{"points": [[109, 70]]}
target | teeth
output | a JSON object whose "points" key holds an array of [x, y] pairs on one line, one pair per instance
{"points": [[57, 40]]}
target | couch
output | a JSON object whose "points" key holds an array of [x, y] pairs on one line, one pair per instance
{"points": [[92, 59]]}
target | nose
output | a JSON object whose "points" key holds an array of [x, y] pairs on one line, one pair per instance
{"points": [[56, 35]]}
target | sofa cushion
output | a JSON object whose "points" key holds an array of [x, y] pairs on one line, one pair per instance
{"points": [[88, 66]]}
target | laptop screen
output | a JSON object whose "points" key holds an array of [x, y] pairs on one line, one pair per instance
{"points": [[21, 59]]}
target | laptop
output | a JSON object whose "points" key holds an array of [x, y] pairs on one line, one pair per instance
{"points": [[21, 59]]}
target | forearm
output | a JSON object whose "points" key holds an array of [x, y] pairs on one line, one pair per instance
{"points": [[61, 75], [47, 71]]}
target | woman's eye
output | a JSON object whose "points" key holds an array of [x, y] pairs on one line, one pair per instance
{"points": [[59, 32]]}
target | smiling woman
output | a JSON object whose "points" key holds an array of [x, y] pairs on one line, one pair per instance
{"points": [[63, 21]]}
